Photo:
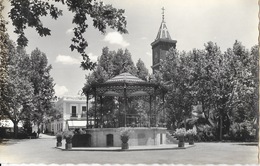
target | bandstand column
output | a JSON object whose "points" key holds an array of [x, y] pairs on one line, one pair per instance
{"points": [[154, 115], [101, 118], [95, 116], [125, 100], [164, 118], [150, 111]]}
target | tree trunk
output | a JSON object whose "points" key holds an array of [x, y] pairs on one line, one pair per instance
{"points": [[15, 129], [185, 125], [257, 127], [220, 127]]}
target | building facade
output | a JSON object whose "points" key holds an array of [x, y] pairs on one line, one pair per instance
{"points": [[73, 114]]}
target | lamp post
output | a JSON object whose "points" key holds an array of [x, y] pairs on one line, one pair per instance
{"points": [[87, 111]]}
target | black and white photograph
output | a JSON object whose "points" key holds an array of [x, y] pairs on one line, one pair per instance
{"points": [[114, 82]]}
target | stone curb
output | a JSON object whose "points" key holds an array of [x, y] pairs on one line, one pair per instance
{"points": [[118, 149]]}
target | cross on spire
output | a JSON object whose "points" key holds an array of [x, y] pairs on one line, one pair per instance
{"points": [[163, 13]]}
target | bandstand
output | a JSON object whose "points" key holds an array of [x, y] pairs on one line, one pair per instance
{"points": [[124, 86]]}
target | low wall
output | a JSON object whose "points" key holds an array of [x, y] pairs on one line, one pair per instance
{"points": [[104, 137]]}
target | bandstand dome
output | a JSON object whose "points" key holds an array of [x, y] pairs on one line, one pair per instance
{"points": [[125, 84]]}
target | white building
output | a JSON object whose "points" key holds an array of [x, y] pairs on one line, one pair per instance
{"points": [[73, 114], [7, 123]]}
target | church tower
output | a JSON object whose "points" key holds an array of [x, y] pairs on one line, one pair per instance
{"points": [[161, 44]]}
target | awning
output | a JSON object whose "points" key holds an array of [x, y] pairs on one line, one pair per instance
{"points": [[77, 123]]}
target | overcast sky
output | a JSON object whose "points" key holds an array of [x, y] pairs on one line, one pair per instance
{"points": [[191, 22]]}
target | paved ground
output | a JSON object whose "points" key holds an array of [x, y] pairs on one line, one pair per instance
{"points": [[43, 150]]}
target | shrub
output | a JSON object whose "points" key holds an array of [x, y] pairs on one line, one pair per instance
{"points": [[59, 136], [191, 132], [206, 133], [80, 131], [243, 131], [68, 135], [180, 132], [125, 134]]}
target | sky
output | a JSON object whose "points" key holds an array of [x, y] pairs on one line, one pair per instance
{"points": [[191, 22]]}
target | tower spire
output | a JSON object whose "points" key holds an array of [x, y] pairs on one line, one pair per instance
{"points": [[163, 32], [163, 13]]}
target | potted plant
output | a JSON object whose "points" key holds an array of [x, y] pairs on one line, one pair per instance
{"points": [[124, 136], [180, 134], [68, 135], [59, 139], [191, 133]]}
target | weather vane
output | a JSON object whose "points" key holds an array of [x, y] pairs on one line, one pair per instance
{"points": [[163, 13]]}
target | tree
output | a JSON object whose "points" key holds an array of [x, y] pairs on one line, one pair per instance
{"points": [[43, 87], [142, 71], [122, 62], [17, 94], [3, 59], [176, 78], [27, 13], [243, 66], [105, 61], [254, 68], [224, 85]]}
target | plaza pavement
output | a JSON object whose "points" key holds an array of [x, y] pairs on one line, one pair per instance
{"points": [[43, 150]]}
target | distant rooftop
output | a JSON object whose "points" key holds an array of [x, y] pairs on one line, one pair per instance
{"points": [[73, 98]]}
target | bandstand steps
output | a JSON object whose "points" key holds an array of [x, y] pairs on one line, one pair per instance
{"points": [[170, 139]]}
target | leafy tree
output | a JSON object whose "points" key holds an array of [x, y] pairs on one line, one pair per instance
{"points": [[27, 13], [201, 83], [175, 72], [3, 59], [244, 104], [122, 62], [142, 71], [244, 66], [43, 88], [17, 94], [220, 83], [105, 61]]}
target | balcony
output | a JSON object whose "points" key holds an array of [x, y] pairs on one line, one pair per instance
{"points": [[74, 116], [83, 115]]}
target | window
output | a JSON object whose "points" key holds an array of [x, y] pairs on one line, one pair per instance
{"points": [[84, 109], [83, 113], [73, 111]]}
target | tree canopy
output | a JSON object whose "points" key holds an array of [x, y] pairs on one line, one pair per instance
{"points": [[27, 92], [28, 13], [211, 88], [17, 92]]}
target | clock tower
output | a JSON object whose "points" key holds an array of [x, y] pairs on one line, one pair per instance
{"points": [[162, 43]]}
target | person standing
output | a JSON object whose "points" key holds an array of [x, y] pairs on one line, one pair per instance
{"points": [[39, 131]]}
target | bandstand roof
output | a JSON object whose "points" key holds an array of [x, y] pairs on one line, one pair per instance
{"points": [[126, 78], [134, 86]]}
